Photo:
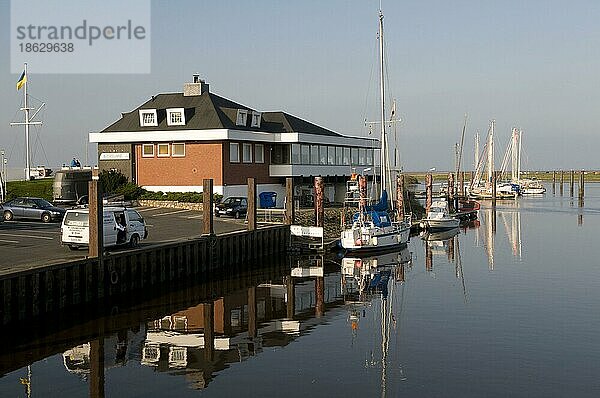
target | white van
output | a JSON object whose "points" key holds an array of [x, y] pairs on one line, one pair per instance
{"points": [[121, 226]]}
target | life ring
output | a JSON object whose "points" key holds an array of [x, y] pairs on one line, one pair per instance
{"points": [[114, 277]]}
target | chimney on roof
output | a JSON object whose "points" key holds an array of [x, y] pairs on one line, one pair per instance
{"points": [[197, 87]]}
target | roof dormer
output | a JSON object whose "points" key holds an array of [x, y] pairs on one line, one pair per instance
{"points": [[148, 118], [175, 117], [242, 117], [255, 119]]}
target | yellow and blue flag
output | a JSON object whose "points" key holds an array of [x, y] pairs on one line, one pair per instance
{"points": [[22, 80]]}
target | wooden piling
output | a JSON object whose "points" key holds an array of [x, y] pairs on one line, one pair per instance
{"points": [[400, 197], [209, 331], [554, 181], [562, 181], [97, 367], [96, 224], [461, 184], [362, 191], [252, 314], [289, 201], [428, 191], [251, 204], [207, 207], [319, 202], [451, 191], [571, 183], [581, 183]]}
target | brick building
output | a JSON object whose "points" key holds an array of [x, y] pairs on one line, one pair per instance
{"points": [[175, 140]]}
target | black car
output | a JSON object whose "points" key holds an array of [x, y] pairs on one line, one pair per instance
{"points": [[31, 208], [236, 206]]}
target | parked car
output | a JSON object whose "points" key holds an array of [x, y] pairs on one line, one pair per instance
{"points": [[121, 226], [31, 208], [236, 206]]}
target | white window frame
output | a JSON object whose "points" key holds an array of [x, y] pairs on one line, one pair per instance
{"points": [[152, 112], [144, 153], [242, 117], [245, 146], [255, 119], [173, 154], [236, 151], [158, 154], [173, 111], [259, 149]]}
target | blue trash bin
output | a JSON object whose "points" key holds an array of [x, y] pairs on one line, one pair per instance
{"points": [[267, 199]]}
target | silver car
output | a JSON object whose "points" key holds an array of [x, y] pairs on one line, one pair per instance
{"points": [[31, 208]]}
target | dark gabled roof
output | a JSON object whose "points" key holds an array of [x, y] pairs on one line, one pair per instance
{"points": [[210, 111]]}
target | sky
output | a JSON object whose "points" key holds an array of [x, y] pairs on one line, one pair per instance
{"points": [[528, 64]]}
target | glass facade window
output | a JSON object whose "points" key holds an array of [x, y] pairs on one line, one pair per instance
{"points": [[305, 150], [331, 155], [362, 156], [354, 156], [296, 155], [280, 154], [314, 154], [234, 152], [322, 154], [339, 155], [369, 157], [247, 153], [346, 158], [259, 153]]}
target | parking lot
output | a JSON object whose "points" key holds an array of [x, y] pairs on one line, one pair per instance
{"points": [[24, 244]]}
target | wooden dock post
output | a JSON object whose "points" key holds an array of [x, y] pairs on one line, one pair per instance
{"points": [[320, 296], [553, 181], [461, 184], [289, 201], [207, 207], [572, 182], [251, 204], [96, 224], [319, 202], [209, 331], [291, 297], [97, 366], [494, 178], [428, 191], [362, 191], [562, 181], [252, 317], [400, 197], [451, 195], [581, 183]]}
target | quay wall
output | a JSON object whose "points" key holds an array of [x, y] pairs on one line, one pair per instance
{"points": [[79, 284]]}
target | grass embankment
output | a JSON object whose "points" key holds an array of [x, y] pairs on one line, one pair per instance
{"points": [[41, 188]]}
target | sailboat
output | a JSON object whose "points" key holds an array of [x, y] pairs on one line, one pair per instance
{"points": [[372, 227], [480, 189]]}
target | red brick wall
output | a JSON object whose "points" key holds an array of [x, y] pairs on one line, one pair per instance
{"points": [[238, 173], [201, 160]]}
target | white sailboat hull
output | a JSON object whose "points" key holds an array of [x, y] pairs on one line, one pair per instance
{"points": [[440, 223], [375, 238]]}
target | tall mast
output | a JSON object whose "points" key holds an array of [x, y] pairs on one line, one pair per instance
{"points": [[519, 157], [476, 162], [26, 109], [491, 151], [384, 155]]}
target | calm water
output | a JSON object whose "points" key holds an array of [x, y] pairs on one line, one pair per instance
{"points": [[510, 313]]}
